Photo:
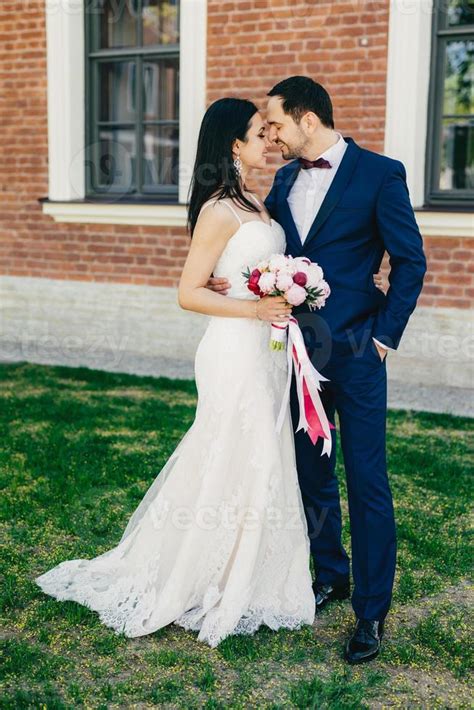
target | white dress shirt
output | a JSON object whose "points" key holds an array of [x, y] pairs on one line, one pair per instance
{"points": [[310, 188]]}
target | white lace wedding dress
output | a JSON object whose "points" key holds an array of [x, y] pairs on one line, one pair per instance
{"points": [[219, 542]]}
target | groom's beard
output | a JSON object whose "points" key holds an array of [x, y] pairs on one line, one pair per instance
{"points": [[287, 154], [293, 152]]}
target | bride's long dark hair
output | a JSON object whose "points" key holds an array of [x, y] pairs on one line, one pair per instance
{"points": [[214, 171]]}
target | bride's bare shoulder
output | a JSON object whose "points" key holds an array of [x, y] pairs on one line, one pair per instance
{"points": [[215, 221], [217, 208]]}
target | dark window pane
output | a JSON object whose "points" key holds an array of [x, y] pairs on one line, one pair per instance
{"points": [[160, 155], [117, 91], [459, 78], [160, 22], [160, 89], [133, 147], [117, 158], [457, 155], [460, 12], [118, 23]]}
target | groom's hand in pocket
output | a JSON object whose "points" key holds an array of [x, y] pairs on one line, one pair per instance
{"points": [[381, 282], [381, 351], [218, 285]]}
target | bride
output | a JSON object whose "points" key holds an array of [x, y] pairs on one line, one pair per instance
{"points": [[219, 542]]}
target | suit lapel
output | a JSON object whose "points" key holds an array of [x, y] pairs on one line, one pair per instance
{"points": [[288, 223], [336, 190]]}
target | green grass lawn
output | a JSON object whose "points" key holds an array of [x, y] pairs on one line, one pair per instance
{"points": [[79, 448]]}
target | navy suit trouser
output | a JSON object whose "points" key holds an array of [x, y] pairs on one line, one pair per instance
{"points": [[357, 390]]}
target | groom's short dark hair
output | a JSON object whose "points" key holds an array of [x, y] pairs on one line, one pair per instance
{"points": [[301, 94]]}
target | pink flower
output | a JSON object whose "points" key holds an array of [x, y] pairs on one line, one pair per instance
{"points": [[284, 281], [266, 282], [300, 278], [295, 295]]}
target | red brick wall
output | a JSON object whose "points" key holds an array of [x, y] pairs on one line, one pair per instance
{"points": [[449, 281], [32, 244], [252, 44]]}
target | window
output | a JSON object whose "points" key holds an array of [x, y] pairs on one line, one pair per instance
{"points": [[450, 147], [132, 99]]}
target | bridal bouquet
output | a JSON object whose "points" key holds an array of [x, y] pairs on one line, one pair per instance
{"points": [[299, 281]]}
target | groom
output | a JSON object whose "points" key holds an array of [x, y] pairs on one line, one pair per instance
{"points": [[343, 206]]}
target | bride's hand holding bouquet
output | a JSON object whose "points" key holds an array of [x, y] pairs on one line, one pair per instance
{"points": [[282, 282], [288, 281]]}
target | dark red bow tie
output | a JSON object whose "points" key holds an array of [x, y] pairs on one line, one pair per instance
{"points": [[319, 163]]}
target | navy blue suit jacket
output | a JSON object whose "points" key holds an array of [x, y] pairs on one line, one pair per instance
{"points": [[366, 212]]}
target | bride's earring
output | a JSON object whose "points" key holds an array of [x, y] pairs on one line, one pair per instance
{"points": [[238, 166]]}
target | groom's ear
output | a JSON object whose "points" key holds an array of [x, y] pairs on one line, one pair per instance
{"points": [[310, 122]]}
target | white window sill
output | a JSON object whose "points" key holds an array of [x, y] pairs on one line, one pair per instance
{"points": [[117, 213], [431, 224], [445, 224]]}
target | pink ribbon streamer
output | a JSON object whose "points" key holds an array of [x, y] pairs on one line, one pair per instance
{"points": [[313, 418]]}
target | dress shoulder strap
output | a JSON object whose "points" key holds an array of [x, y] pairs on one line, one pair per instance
{"points": [[257, 202], [261, 207], [227, 204]]}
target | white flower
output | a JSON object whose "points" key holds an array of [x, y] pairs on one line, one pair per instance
{"points": [[302, 264], [266, 282], [284, 280], [325, 287], [291, 266], [278, 262], [315, 275]]}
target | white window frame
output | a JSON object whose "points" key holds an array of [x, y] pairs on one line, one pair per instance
{"points": [[66, 119], [408, 80]]}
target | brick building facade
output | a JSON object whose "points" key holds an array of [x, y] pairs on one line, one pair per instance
{"points": [[73, 268]]}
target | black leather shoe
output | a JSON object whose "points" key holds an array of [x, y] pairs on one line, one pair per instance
{"points": [[366, 641], [325, 593]]}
